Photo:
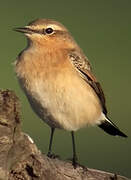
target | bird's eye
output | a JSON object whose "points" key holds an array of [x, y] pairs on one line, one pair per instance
{"points": [[49, 31]]}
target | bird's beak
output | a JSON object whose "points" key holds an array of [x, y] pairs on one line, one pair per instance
{"points": [[25, 29]]}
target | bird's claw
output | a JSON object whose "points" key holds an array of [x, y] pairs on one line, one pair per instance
{"points": [[53, 156]]}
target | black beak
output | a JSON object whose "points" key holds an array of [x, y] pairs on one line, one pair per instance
{"points": [[23, 30]]}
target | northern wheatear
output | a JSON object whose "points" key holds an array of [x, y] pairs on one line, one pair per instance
{"points": [[57, 79]]}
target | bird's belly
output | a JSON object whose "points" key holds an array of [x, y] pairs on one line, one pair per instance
{"points": [[68, 105]]}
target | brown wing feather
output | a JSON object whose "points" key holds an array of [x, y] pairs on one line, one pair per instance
{"points": [[83, 66]]}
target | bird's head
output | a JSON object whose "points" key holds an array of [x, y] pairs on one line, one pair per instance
{"points": [[47, 32]]}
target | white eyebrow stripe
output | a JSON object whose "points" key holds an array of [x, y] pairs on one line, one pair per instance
{"points": [[56, 27], [53, 26]]}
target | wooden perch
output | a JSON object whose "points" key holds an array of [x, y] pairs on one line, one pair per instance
{"points": [[20, 159]]}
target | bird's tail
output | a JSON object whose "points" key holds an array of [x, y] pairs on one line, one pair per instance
{"points": [[109, 127]]}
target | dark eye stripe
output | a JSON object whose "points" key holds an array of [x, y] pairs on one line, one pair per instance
{"points": [[43, 31]]}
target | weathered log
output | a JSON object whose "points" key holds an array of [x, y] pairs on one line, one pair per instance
{"points": [[20, 158]]}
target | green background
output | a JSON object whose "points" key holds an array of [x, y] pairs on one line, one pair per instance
{"points": [[103, 30]]}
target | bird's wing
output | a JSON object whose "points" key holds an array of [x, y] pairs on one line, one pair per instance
{"points": [[82, 65]]}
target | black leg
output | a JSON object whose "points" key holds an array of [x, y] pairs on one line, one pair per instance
{"points": [[74, 160], [50, 144]]}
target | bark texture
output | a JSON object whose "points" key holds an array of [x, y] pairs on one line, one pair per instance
{"points": [[20, 158]]}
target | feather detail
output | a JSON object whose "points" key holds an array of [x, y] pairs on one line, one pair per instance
{"points": [[82, 65], [109, 127]]}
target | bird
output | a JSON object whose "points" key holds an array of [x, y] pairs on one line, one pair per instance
{"points": [[58, 82]]}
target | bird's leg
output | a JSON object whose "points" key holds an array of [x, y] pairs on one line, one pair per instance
{"points": [[74, 160], [50, 144]]}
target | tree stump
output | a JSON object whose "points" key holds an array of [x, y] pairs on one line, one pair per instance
{"points": [[20, 158]]}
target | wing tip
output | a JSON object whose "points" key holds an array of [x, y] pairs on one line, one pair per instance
{"points": [[111, 129]]}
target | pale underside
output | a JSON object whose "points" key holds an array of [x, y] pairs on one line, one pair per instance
{"points": [[60, 98]]}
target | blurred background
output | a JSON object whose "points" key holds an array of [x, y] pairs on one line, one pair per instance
{"points": [[103, 30]]}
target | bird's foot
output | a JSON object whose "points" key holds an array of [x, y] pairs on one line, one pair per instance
{"points": [[114, 177], [77, 165], [53, 156]]}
